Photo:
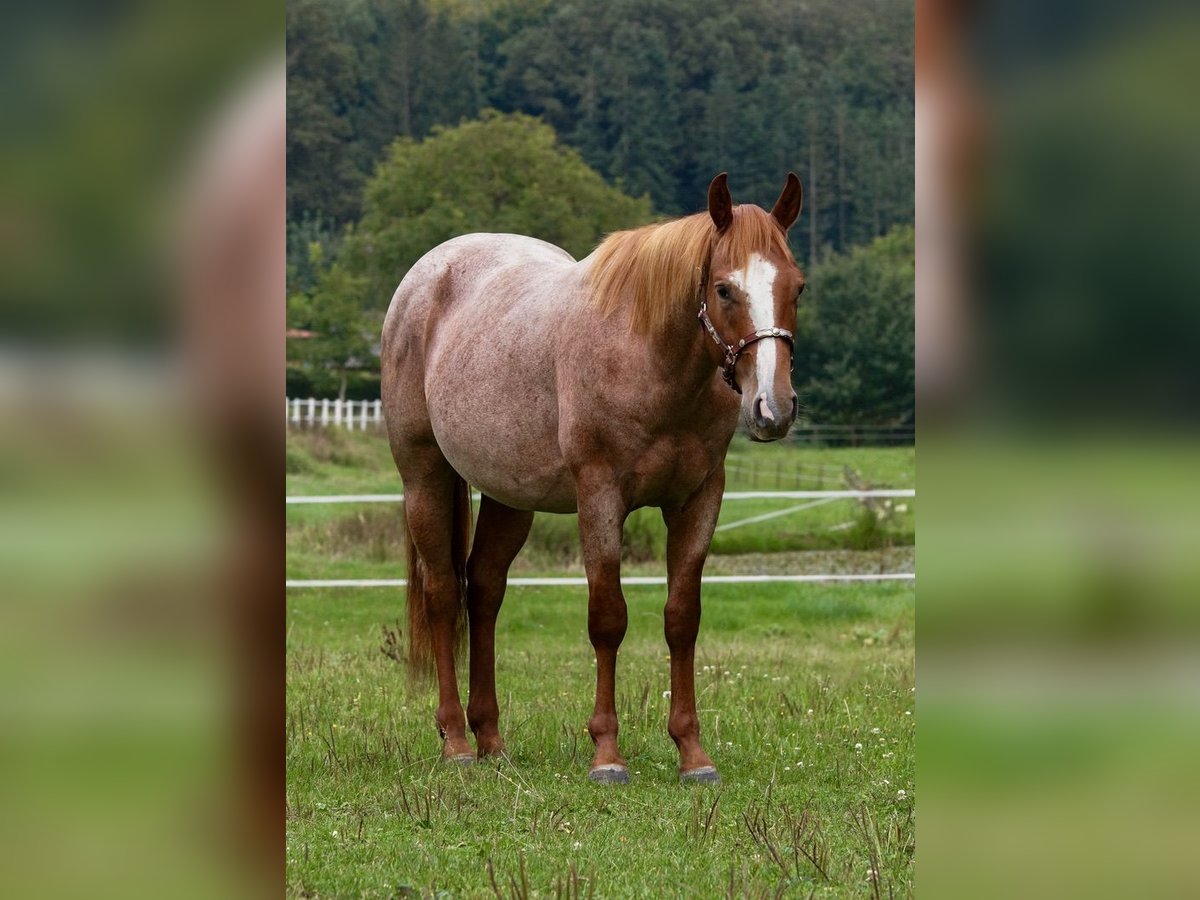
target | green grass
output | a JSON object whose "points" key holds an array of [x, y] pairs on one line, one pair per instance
{"points": [[336, 461], [805, 696]]}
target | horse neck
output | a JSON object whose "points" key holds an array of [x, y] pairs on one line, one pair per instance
{"points": [[685, 354]]}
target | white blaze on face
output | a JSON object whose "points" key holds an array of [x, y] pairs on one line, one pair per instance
{"points": [[757, 282]]}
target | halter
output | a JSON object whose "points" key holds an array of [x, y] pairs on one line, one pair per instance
{"points": [[732, 353]]}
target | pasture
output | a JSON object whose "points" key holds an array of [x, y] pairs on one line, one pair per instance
{"points": [[805, 696]]}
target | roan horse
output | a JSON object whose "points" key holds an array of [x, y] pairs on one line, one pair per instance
{"points": [[596, 386]]}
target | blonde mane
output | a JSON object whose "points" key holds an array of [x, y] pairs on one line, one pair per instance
{"points": [[655, 270]]}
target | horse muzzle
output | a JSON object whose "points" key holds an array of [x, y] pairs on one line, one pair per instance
{"points": [[768, 419]]}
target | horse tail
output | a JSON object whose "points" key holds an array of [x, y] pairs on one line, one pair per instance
{"points": [[421, 657]]}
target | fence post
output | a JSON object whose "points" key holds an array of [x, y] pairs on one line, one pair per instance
{"points": [[324, 411], [362, 420], [377, 411], [337, 411], [286, 404], [312, 411], [295, 411]]}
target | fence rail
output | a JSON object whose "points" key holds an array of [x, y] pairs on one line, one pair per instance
{"points": [[313, 412]]}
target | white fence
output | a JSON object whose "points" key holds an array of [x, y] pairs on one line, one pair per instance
{"points": [[310, 412]]}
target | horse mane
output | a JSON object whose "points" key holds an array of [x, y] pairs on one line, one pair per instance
{"points": [[655, 270]]}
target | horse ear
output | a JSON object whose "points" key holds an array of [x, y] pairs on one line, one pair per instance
{"points": [[787, 207], [720, 203]]}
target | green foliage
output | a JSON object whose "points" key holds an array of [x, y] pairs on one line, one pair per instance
{"points": [[504, 173], [657, 97], [855, 338], [344, 331], [648, 99]]}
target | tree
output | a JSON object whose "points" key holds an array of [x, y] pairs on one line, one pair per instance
{"points": [[322, 89], [504, 173], [854, 340], [344, 333]]}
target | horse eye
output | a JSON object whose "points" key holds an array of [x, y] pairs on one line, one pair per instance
{"points": [[723, 292]]}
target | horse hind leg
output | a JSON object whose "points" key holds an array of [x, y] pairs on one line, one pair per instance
{"points": [[499, 535], [437, 514]]}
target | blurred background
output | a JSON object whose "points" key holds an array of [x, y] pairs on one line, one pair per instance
{"points": [[1057, 375], [147, 250], [141, 271]]}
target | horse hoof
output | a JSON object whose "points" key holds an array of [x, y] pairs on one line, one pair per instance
{"points": [[702, 775], [610, 774], [461, 759]]}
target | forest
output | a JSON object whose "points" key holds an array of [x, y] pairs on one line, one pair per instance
{"points": [[410, 121]]}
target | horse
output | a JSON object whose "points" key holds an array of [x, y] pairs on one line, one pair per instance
{"points": [[595, 386]]}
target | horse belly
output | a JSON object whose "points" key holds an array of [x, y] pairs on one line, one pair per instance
{"points": [[502, 437]]}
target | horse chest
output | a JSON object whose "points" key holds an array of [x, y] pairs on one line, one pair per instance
{"points": [[670, 470]]}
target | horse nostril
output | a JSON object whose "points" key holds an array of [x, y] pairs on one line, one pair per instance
{"points": [[763, 409], [795, 407]]}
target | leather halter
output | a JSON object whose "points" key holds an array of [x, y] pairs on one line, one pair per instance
{"points": [[732, 353]]}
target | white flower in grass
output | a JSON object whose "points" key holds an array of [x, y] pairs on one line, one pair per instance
{"points": [[901, 794], [858, 748], [666, 695]]}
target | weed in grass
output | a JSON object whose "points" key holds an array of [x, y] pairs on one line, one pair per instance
{"points": [[393, 646]]}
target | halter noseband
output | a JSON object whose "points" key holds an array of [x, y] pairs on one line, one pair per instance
{"points": [[732, 353]]}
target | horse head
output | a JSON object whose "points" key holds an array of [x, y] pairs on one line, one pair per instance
{"points": [[750, 297]]}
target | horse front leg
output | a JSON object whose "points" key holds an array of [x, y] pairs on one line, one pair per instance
{"points": [[601, 515], [689, 534]]}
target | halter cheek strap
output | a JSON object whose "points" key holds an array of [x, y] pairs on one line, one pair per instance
{"points": [[732, 353]]}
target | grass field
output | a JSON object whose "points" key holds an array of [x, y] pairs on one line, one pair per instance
{"points": [[805, 696]]}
